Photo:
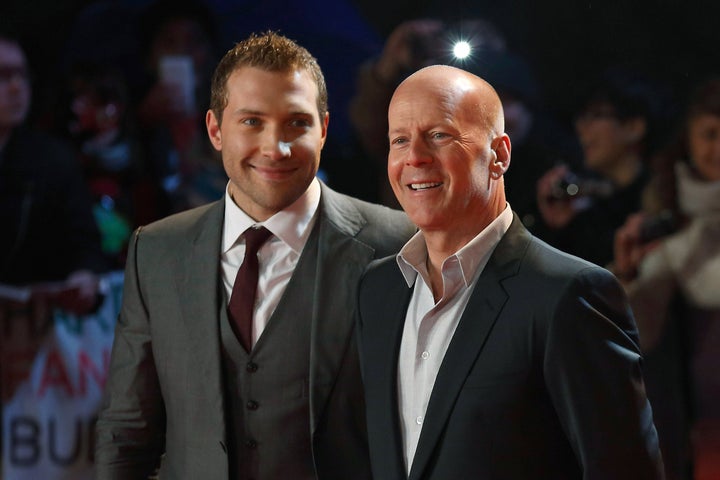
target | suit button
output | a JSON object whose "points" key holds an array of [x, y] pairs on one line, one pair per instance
{"points": [[252, 405], [251, 367], [250, 443]]}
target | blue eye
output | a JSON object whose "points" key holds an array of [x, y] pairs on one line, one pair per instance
{"points": [[251, 121], [300, 123]]}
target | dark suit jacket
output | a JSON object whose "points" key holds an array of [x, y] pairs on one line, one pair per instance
{"points": [[164, 394], [48, 228], [542, 379]]}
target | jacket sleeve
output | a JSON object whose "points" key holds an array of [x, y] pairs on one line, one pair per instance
{"points": [[130, 432], [593, 370]]}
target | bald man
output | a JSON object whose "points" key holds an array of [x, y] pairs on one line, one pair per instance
{"points": [[486, 353]]}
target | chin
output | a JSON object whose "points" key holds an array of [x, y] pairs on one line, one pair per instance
{"points": [[424, 221]]}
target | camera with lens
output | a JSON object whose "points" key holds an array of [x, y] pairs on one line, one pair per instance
{"points": [[573, 186]]}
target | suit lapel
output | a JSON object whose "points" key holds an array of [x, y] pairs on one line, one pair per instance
{"points": [[388, 317], [341, 260], [483, 308], [199, 294]]}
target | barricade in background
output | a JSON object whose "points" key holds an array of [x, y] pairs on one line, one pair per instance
{"points": [[53, 368]]}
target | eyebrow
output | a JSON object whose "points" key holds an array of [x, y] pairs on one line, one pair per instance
{"points": [[250, 111], [247, 111]]}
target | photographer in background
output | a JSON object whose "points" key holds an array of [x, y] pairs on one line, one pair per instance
{"points": [[674, 288], [613, 127], [50, 243]]}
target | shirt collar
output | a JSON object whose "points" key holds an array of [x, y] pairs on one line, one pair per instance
{"points": [[472, 257], [292, 225]]}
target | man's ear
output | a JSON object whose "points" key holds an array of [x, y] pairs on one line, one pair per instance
{"points": [[213, 129], [500, 156], [324, 125]]}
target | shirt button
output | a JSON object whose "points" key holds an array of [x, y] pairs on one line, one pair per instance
{"points": [[250, 443], [419, 420], [251, 367], [252, 405], [425, 355]]}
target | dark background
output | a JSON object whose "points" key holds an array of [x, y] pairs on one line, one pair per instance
{"points": [[567, 42]]}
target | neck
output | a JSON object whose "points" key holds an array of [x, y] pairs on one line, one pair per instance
{"points": [[443, 243]]}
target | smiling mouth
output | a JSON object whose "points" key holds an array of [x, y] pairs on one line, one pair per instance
{"points": [[275, 174], [424, 186]]}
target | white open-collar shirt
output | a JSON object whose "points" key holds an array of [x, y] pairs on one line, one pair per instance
{"points": [[430, 326], [277, 257]]}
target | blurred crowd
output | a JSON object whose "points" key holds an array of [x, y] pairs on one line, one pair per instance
{"points": [[630, 180]]}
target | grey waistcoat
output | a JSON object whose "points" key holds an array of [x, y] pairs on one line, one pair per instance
{"points": [[267, 392]]}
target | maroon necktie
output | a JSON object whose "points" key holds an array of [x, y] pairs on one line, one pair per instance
{"points": [[242, 299]]}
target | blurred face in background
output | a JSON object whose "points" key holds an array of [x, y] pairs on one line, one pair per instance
{"points": [[183, 37], [704, 145], [14, 86], [605, 138]]}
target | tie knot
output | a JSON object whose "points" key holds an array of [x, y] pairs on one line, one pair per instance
{"points": [[254, 238]]}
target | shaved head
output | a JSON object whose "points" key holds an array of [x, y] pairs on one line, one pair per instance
{"points": [[476, 97]]}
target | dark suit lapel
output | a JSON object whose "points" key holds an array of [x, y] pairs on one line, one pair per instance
{"points": [[381, 346], [198, 291], [340, 262], [483, 308]]}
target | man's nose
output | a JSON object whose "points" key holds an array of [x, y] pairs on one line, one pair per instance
{"points": [[275, 145], [418, 153]]}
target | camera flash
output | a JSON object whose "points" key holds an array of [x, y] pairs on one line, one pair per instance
{"points": [[461, 49]]}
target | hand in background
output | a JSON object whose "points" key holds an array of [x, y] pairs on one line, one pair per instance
{"points": [[79, 294], [556, 212], [629, 247], [409, 47]]}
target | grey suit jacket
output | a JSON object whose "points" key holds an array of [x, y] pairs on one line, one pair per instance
{"points": [[542, 378], [164, 396]]}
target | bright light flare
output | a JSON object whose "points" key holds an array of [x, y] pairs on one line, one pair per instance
{"points": [[461, 49]]}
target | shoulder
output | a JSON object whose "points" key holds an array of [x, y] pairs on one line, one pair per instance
{"points": [[381, 227], [165, 242], [571, 287], [545, 276], [184, 223], [36, 141], [380, 279], [554, 270], [382, 266], [520, 252], [42, 154], [548, 260]]}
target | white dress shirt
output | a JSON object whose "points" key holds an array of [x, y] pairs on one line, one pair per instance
{"points": [[430, 326], [277, 258]]}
